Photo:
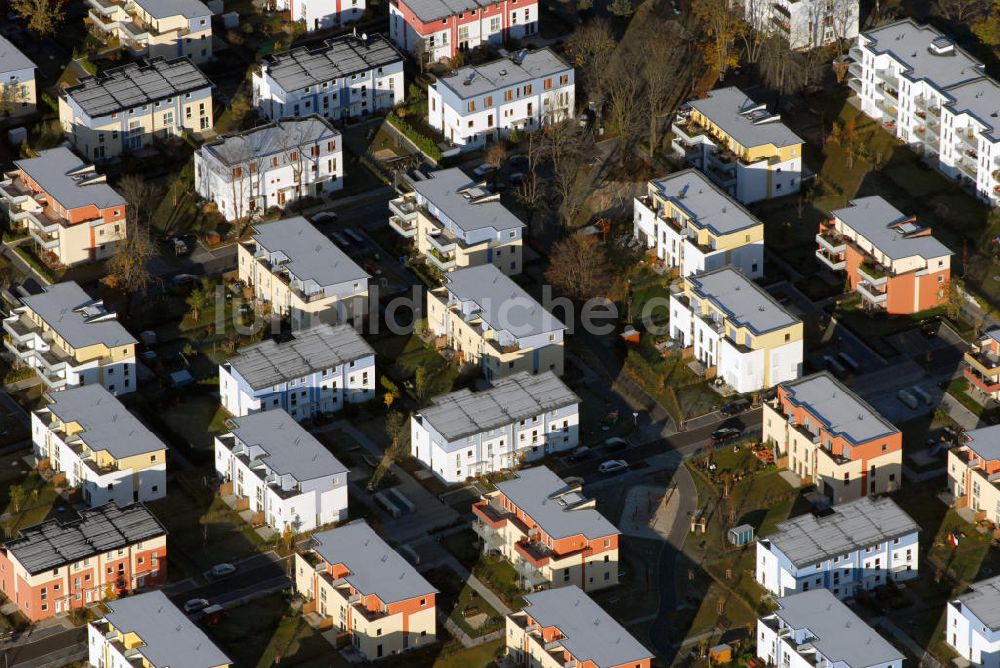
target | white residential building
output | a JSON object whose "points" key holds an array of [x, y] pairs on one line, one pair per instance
{"points": [[934, 96], [973, 624], [805, 24], [691, 225], [344, 77], [150, 631], [156, 28], [481, 104], [738, 331], [860, 545], [69, 338], [322, 14], [124, 109], [291, 481], [521, 418], [318, 372], [17, 81], [274, 165], [814, 628], [102, 449], [745, 149], [301, 274]]}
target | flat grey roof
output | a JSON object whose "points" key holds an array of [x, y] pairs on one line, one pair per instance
{"points": [[77, 317], [69, 180], [503, 73], [286, 134], [291, 450], [54, 543], [980, 99], [468, 203], [375, 568], [311, 255], [840, 410], [910, 44], [161, 9], [840, 635], [809, 539], [11, 58], [706, 204], [743, 301], [746, 121], [106, 423], [169, 638], [554, 506], [983, 600], [877, 220], [511, 399], [320, 347], [985, 442], [135, 85], [429, 10], [503, 304], [333, 59], [588, 632]]}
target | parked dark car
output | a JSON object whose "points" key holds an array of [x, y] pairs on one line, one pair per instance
{"points": [[726, 434], [736, 406]]}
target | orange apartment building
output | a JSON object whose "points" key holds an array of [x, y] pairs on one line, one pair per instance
{"points": [[550, 532], [564, 627], [356, 584], [982, 365], [974, 472], [890, 260], [71, 213], [833, 439], [54, 567]]}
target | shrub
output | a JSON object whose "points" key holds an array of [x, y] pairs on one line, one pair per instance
{"points": [[425, 144]]}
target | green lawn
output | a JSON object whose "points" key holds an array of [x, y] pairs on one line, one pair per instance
{"points": [[678, 389], [959, 389], [256, 633], [473, 657], [495, 572], [403, 356], [458, 601]]}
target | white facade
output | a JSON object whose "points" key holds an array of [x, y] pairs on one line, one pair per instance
{"points": [[344, 77], [287, 475], [973, 625], [482, 104], [934, 96], [323, 14], [805, 24], [879, 543], [275, 165], [318, 372], [464, 434], [17, 81]]}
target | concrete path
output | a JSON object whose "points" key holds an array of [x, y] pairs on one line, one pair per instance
{"points": [[926, 660]]}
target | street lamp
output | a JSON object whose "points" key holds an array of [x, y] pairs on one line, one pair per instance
{"points": [[635, 418]]}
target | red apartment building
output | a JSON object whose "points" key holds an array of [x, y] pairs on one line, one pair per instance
{"points": [[55, 567], [552, 534], [565, 627], [834, 439], [437, 29], [982, 365], [71, 213], [358, 585], [891, 261]]}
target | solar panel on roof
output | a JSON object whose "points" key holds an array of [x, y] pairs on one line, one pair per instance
{"points": [[135, 85]]}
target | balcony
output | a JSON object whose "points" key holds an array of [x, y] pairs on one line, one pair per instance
{"points": [[856, 54], [874, 273], [688, 132], [987, 384], [832, 261], [405, 208], [46, 241], [854, 84], [833, 242], [405, 228], [967, 167], [967, 139], [443, 261], [856, 70], [441, 239], [886, 106], [887, 76], [984, 360], [872, 293], [889, 92]]}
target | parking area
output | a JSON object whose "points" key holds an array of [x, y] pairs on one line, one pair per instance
{"points": [[882, 390]]}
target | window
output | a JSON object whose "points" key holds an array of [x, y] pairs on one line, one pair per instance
{"points": [[472, 107], [488, 101], [548, 84]]}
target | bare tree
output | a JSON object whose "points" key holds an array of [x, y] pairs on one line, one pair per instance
{"points": [[531, 191], [496, 155], [757, 15], [142, 197], [567, 147], [591, 46], [625, 108], [960, 11], [667, 71], [580, 267], [44, 16], [844, 18], [720, 27], [128, 268]]}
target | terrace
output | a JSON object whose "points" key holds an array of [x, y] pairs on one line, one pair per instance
{"points": [[873, 272]]}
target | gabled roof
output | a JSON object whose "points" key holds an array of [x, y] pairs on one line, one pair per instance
{"points": [[375, 568], [78, 318], [69, 180], [841, 411], [54, 543], [746, 121], [469, 204], [169, 638], [511, 399], [503, 304], [311, 255], [290, 449], [888, 229], [11, 58], [554, 506], [588, 632], [107, 425], [320, 347], [335, 58]]}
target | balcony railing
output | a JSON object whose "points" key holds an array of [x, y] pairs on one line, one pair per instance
{"points": [[832, 241], [967, 167], [856, 54], [875, 274], [404, 207], [854, 84], [987, 384], [871, 293], [444, 262], [833, 262]]}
